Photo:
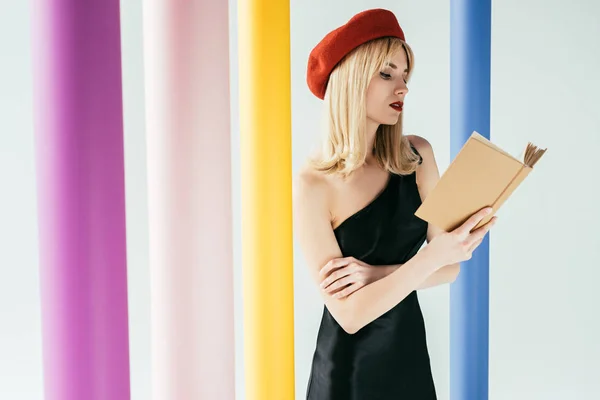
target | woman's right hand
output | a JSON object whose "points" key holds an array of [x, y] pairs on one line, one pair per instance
{"points": [[458, 245]]}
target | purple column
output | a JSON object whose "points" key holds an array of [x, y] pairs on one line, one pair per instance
{"points": [[81, 198]]}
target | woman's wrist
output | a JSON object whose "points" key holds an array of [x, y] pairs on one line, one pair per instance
{"points": [[429, 260]]}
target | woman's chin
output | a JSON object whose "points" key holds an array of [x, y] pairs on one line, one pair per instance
{"points": [[387, 119], [391, 120]]}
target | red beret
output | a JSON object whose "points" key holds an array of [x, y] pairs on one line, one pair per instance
{"points": [[363, 27]]}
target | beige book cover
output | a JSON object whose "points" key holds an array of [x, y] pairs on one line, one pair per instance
{"points": [[481, 175]]}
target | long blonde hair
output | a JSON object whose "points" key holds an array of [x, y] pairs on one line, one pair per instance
{"points": [[344, 145]]}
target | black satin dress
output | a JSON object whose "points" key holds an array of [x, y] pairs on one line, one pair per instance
{"points": [[388, 358]]}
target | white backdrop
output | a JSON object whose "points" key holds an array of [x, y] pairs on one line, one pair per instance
{"points": [[544, 322]]}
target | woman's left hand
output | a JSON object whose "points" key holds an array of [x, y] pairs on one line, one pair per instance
{"points": [[347, 274]]}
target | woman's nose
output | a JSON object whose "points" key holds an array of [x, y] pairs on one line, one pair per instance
{"points": [[402, 89]]}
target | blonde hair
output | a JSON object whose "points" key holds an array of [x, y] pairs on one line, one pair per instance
{"points": [[344, 146]]}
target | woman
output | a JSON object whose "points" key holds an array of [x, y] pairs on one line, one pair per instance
{"points": [[354, 206]]}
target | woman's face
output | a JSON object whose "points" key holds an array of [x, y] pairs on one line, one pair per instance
{"points": [[386, 91]]}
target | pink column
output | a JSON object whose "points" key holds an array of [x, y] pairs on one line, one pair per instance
{"points": [[81, 199], [186, 50]]}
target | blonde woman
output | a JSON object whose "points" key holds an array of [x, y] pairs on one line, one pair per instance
{"points": [[354, 206]]}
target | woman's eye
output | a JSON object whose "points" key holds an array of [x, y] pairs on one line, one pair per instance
{"points": [[384, 75]]}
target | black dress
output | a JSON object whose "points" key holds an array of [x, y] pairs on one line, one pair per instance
{"points": [[388, 358]]}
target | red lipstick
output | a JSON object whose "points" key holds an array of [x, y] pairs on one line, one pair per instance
{"points": [[397, 105]]}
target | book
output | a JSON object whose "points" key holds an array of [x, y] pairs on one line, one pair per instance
{"points": [[481, 175]]}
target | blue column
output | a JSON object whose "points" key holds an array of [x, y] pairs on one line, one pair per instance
{"points": [[470, 32]]}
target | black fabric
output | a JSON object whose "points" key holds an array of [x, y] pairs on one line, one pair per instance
{"points": [[387, 359]]}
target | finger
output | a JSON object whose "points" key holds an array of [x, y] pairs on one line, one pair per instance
{"points": [[472, 222], [334, 264], [340, 283], [348, 291], [334, 276], [488, 224], [481, 232], [475, 245]]}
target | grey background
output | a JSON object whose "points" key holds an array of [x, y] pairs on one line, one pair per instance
{"points": [[544, 319]]}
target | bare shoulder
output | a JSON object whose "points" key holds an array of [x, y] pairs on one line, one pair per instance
{"points": [[428, 172], [311, 189], [428, 168], [309, 181], [421, 144]]}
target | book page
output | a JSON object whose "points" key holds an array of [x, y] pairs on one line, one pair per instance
{"points": [[532, 154]]}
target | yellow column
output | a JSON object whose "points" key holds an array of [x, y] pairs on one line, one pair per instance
{"points": [[265, 131]]}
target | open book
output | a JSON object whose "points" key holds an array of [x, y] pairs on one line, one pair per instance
{"points": [[481, 175]]}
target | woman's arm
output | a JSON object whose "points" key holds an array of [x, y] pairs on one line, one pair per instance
{"points": [[428, 176], [316, 238], [446, 274]]}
